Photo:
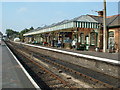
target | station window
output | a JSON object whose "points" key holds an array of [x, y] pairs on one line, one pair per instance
{"points": [[80, 24], [93, 38], [88, 25], [83, 24], [111, 34], [111, 40], [91, 25]]}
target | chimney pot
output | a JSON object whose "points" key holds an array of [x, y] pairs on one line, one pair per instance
{"points": [[100, 13]]}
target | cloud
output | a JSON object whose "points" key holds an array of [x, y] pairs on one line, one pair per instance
{"points": [[22, 10]]}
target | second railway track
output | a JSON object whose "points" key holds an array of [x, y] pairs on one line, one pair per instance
{"points": [[79, 73], [45, 79]]}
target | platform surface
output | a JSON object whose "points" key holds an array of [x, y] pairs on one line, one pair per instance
{"points": [[114, 56], [12, 74], [111, 56]]}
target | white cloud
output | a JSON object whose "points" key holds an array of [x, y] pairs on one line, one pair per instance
{"points": [[22, 10]]}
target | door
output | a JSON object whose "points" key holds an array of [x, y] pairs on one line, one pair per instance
{"points": [[111, 41]]}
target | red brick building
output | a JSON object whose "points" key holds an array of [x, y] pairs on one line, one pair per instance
{"points": [[114, 32], [86, 30]]}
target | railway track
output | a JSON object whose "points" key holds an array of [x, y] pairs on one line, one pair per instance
{"points": [[46, 79], [60, 65]]}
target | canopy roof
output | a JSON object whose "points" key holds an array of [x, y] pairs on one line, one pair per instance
{"points": [[93, 20], [64, 24]]}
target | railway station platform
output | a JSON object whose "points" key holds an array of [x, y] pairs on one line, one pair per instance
{"points": [[109, 56], [13, 76], [113, 56], [100, 56]]}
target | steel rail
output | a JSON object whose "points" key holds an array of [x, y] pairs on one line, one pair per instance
{"points": [[65, 83], [75, 72]]}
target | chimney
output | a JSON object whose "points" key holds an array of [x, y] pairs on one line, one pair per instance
{"points": [[100, 13]]}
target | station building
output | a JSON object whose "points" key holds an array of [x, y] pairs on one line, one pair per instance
{"points": [[113, 25], [86, 30]]}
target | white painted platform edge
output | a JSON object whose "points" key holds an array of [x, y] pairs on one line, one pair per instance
{"points": [[24, 70], [75, 54]]}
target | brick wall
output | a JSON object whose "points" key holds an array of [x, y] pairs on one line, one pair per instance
{"points": [[117, 38]]}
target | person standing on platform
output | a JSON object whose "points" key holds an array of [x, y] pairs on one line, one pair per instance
{"points": [[59, 43], [73, 43]]}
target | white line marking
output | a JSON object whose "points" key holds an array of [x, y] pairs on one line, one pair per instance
{"points": [[24, 70], [76, 54]]}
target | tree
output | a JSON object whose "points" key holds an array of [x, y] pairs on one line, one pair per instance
{"points": [[11, 34], [23, 32], [31, 28], [26, 30]]}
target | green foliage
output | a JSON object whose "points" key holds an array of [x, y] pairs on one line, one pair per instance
{"points": [[26, 30], [23, 32], [11, 33], [31, 28]]}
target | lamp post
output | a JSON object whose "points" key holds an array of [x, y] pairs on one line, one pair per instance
{"points": [[104, 29]]}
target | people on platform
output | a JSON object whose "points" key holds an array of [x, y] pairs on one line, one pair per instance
{"points": [[74, 43], [59, 43], [45, 43]]}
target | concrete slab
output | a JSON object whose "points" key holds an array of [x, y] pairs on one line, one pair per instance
{"points": [[12, 74]]}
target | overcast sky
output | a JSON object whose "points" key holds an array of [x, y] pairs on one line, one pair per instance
{"points": [[21, 15]]}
